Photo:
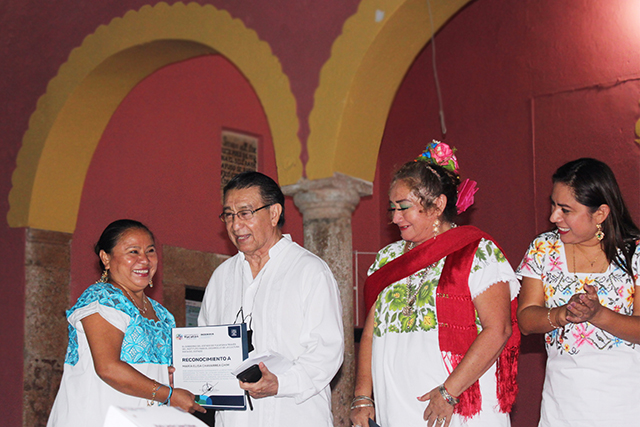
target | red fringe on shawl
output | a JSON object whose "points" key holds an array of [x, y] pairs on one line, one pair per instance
{"points": [[457, 330], [508, 365], [457, 319], [506, 373]]}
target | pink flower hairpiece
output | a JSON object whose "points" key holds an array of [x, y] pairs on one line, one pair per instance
{"points": [[466, 190], [441, 154]]}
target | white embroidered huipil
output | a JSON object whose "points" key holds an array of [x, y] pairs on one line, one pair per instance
{"points": [[293, 307], [592, 377], [406, 358]]}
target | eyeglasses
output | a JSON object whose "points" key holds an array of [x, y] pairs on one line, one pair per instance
{"points": [[244, 215]]}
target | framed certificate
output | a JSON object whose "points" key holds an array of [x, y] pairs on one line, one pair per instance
{"points": [[204, 358]]}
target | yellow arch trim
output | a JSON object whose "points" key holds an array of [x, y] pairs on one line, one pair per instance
{"points": [[359, 82], [71, 116]]}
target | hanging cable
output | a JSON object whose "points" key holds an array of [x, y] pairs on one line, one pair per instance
{"points": [[443, 126]]}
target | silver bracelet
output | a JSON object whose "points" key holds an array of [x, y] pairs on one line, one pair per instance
{"points": [[448, 397], [362, 405], [362, 397]]}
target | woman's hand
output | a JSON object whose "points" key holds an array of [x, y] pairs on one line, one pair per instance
{"points": [[360, 416], [494, 311], [438, 412], [185, 400], [171, 370], [105, 342], [583, 307]]}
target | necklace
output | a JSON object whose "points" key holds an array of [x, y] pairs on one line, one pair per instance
{"points": [[591, 263], [407, 310], [142, 310], [575, 269], [412, 295]]}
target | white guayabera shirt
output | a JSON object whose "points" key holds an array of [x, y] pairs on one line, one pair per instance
{"points": [[295, 310]]}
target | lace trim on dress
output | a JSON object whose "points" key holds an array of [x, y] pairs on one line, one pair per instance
{"points": [[514, 286]]}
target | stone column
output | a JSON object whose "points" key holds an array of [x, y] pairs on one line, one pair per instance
{"points": [[327, 205], [47, 266]]}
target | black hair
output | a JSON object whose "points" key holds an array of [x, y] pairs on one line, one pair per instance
{"points": [[593, 184], [112, 234], [427, 182], [270, 191]]}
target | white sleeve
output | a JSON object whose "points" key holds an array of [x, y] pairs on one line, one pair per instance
{"points": [[490, 267], [322, 337], [117, 318], [203, 315], [635, 265]]}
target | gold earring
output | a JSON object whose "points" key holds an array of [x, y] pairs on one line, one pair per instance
{"points": [[599, 233], [104, 277], [151, 283]]}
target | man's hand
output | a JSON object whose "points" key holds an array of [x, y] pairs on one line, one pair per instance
{"points": [[267, 386]]}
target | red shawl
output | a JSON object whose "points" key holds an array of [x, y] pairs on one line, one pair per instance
{"points": [[456, 313]]}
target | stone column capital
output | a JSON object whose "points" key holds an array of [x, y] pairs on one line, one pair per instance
{"points": [[334, 197]]}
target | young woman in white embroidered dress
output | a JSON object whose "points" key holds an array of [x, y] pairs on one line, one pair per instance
{"points": [[578, 288]]}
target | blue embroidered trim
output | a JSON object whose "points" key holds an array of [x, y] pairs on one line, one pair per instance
{"points": [[145, 340]]}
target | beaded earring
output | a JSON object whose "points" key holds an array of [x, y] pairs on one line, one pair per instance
{"points": [[104, 277], [150, 283], [436, 228], [599, 233]]}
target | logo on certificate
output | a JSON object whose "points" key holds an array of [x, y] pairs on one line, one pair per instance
{"points": [[234, 331]]}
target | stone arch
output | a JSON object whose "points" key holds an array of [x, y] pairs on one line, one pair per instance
{"points": [[359, 82], [72, 115]]}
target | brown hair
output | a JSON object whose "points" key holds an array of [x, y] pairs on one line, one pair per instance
{"points": [[427, 182]]}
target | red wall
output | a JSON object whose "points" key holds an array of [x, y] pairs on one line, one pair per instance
{"points": [[37, 38], [158, 161], [526, 86]]}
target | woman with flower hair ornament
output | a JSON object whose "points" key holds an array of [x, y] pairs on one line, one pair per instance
{"points": [[579, 283], [440, 343]]}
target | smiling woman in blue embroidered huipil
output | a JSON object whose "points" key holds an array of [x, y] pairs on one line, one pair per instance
{"points": [[578, 287], [119, 346]]}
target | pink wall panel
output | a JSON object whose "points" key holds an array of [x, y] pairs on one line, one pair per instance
{"points": [[595, 122], [158, 158], [159, 161], [512, 75]]}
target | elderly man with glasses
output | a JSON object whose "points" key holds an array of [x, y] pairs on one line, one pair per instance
{"points": [[290, 302]]}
